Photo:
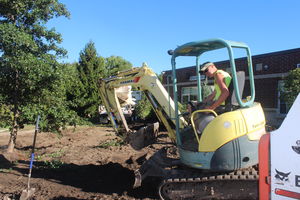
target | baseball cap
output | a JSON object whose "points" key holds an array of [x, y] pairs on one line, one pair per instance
{"points": [[204, 66]]}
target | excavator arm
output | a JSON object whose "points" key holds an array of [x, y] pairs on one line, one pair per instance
{"points": [[145, 80], [113, 108]]}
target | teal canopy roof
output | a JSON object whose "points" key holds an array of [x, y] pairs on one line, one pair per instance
{"points": [[198, 47]]}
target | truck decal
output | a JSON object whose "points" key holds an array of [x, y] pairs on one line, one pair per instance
{"points": [[297, 148], [281, 176]]}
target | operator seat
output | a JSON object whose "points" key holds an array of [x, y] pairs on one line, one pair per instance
{"points": [[231, 102]]}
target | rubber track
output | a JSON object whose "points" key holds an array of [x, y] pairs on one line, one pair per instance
{"points": [[241, 184]]}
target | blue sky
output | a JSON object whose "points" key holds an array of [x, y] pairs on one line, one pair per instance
{"points": [[142, 31]]}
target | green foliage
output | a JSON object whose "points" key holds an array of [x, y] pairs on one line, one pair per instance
{"points": [[74, 91], [56, 154], [114, 64], [160, 77], [111, 143], [144, 109], [53, 105], [270, 128], [51, 160], [31, 79], [2, 170], [53, 164], [6, 115], [291, 86], [182, 107], [23, 22], [86, 98]]}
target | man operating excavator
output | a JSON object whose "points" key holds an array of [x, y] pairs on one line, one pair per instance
{"points": [[216, 100]]}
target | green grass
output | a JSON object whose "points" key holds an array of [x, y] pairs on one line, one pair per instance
{"points": [[111, 143], [51, 160], [56, 154], [53, 164], [5, 170]]}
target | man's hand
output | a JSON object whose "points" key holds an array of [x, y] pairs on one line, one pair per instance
{"points": [[210, 107]]}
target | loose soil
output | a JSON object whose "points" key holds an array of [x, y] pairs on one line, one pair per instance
{"points": [[86, 163]]}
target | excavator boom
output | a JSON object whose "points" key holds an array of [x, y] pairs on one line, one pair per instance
{"points": [[145, 80]]}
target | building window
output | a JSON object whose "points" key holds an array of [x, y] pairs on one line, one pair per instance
{"points": [[259, 67], [137, 95], [191, 93], [194, 78], [282, 107], [298, 65], [266, 67], [188, 94]]}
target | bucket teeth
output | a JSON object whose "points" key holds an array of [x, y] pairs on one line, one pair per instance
{"points": [[138, 179]]}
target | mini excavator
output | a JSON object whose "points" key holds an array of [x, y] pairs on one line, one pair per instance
{"points": [[217, 152]]}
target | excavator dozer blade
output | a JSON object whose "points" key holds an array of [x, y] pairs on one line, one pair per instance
{"points": [[143, 137], [155, 166]]}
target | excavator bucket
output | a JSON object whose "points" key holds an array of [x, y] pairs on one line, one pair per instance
{"points": [[143, 137], [155, 166]]}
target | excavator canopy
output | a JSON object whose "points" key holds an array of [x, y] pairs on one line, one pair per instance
{"points": [[199, 47]]}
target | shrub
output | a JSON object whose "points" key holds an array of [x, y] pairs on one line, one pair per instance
{"points": [[143, 109], [291, 86]]}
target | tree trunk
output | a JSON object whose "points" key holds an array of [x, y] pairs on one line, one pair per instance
{"points": [[15, 122], [13, 134]]}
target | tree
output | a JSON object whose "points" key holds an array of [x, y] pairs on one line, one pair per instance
{"points": [[113, 64], [90, 69], [29, 52], [53, 104], [74, 88], [291, 87]]}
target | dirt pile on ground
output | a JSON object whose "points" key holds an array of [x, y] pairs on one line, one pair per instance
{"points": [[88, 163]]}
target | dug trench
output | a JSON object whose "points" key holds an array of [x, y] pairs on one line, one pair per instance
{"points": [[86, 163]]}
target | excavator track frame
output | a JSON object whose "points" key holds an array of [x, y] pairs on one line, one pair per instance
{"points": [[179, 181], [241, 184]]}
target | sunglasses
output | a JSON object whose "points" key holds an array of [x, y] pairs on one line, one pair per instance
{"points": [[203, 72]]}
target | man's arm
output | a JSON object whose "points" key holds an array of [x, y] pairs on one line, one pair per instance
{"points": [[210, 97], [224, 91]]}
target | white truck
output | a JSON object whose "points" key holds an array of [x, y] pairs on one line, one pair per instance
{"points": [[280, 159]]}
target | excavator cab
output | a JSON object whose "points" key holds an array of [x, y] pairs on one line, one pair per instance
{"points": [[220, 141]]}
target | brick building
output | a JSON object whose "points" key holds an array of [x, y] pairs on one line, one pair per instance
{"points": [[269, 72]]}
